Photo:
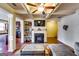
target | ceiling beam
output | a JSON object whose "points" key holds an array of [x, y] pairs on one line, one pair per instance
{"points": [[48, 15], [7, 7], [27, 9]]}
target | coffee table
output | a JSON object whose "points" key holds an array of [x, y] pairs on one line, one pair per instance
{"points": [[33, 50]]}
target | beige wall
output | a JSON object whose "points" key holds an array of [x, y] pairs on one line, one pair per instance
{"points": [[52, 28]]}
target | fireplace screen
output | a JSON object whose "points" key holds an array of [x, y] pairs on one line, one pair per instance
{"points": [[39, 37]]}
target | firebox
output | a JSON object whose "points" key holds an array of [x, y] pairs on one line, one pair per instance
{"points": [[39, 37]]}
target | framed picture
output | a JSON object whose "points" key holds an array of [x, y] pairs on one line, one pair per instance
{"points": [[65, 27]]}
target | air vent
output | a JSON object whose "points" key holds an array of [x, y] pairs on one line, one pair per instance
{"points": [[13, 4]]}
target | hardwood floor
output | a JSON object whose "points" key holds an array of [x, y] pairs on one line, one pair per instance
{"points": [[61, 50], [57, 48], [52, 40]]}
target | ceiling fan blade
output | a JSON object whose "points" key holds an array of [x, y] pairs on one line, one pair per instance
{"points": [[31, 4], [34, 11], [13, 4], [49, 7]]}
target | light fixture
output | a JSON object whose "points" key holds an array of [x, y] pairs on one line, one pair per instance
{"points": [[41, 8], [54, 4]]}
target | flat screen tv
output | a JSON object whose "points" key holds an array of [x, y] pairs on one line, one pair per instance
{"points": [[39, 23]]}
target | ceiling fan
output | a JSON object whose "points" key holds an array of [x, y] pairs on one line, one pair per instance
{"points": [[52, 6]]}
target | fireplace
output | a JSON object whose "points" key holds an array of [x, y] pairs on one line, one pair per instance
{"points": [[39, 37]]}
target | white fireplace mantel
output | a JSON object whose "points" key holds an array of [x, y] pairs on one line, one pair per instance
{"points": [[37, 31]]}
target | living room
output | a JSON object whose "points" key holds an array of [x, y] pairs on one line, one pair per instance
{"points": [[40, 29]]}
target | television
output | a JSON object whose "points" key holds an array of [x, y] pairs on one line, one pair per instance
{"points": [[39, 23]]}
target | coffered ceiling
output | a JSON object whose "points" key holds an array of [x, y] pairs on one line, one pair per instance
{"points": [[51, 10], [26, 10], [33, 7]]}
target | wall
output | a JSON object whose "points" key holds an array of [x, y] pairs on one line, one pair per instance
{"points": [[70, 36], [52, 28], [3, 14]]}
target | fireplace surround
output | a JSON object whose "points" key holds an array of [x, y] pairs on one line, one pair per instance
{"points": [[39, 36]]}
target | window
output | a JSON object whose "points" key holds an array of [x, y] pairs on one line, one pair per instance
{"points": [[2, 26]]}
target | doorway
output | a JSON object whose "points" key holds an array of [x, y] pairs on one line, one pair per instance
{"points": [[18, 35], [52, 29]]}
